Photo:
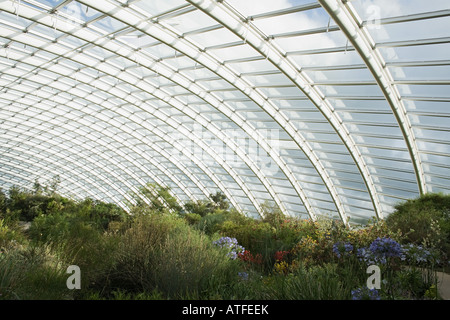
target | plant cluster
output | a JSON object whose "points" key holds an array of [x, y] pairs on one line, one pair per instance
{"points": [[207, 250], [231, 246]]}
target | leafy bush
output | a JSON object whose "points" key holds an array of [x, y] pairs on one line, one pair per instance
{"points": [[163, 253], [75, 241], [210, 223], [98, 213], [423, 221], [314, 283], [28, 206], [32, 273], [10, 232], [192, 218]]}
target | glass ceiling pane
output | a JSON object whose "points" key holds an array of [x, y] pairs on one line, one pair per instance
{"points": [[156, 7], [369, 9]]}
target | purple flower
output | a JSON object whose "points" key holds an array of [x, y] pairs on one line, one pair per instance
{"points": [[231, 244], [342, 249], [380, 251], [243, 275], [364, 293], [419, 255]]}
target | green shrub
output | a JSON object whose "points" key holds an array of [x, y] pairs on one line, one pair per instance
{"points": [[272, 214], [210, 223], [28, 205], [192, 218], [158, 199], [32, 273], [424, 220], [75, 241], [49, 228], [163, 253], [98, 213], [314, 283], [10, 233]]}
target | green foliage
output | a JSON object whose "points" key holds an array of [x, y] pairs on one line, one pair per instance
{"points": [[163, 253], [2, 203], [163, 250], [272, 214], [27, 206], [192, 218], [32, 273], [211, 223], [424, 220], [9, 234], [199, 207], [217, 203], [315, 283], [99, 213], [158, 199]]}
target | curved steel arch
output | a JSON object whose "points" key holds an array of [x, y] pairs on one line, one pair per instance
{"points": [[349, 22], [192, 86], [44, 159], [289, 175], [45, 168], [238, 180], [196, 89], [134, 190], [191, 50], [230, 19], [157, 165], [160, 167], [209, 173], [365, 176]]}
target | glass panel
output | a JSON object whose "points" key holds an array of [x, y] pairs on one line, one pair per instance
{"points": [[431, 91], [156, 7], [373, 9], [416, 53], [313, 42], [109, 24], [190, 21], [216, 37]]}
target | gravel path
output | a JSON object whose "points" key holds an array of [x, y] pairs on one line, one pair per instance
{"points": [[444, 285]]}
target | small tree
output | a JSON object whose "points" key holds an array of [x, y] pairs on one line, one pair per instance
{"points": [[219, 200]]}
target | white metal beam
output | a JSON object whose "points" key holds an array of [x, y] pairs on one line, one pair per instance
{"points": [[349, 22], [224, 14], [199, 118], [189, 49], [174, 76]]}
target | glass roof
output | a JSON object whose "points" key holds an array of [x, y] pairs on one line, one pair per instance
{"points": [[324, 107]]}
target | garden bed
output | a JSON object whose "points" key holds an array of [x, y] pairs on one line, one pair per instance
{"points": [[210, 252]]}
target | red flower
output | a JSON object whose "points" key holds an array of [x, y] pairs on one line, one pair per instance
{"points": [[247, 256], [280, 255]]}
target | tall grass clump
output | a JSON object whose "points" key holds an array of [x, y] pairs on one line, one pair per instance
{"points": [[162, 253], [32, 273], [307, 283]]}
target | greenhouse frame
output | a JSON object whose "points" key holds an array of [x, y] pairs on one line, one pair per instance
{"points": [[322, 108]]}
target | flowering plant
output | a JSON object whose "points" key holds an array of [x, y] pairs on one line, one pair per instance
{"points": [[243, 275], [280, 255], [281, 267], [381, 251], [364, 293], [248, 257], [231, 244], [419, 255], [342, 249]]}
